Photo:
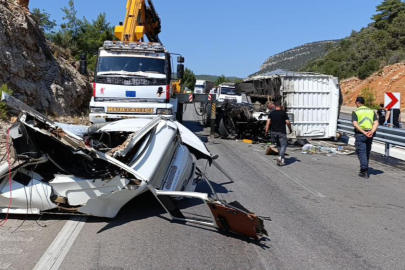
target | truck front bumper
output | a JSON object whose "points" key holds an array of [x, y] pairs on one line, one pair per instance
{"points": [[97, 118]]}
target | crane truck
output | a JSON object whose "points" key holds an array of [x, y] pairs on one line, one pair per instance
{"points": [[133, 77]]}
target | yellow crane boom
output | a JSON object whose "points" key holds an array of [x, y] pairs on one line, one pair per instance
{"points": [[141, 19]]}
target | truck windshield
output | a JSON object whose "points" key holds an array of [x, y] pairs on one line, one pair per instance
{"points": [[131, 64], [228, 91]]}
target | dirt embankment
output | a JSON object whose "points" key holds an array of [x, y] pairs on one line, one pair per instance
{"points": [[390, 79]]}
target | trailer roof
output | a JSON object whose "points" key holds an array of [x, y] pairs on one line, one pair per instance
{"points": [[286, 73]]}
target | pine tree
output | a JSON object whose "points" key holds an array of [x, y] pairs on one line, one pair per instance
{"points": [[388, 11]]}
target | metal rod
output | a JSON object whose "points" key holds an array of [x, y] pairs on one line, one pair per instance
{"points": [[213, 114], [223, 171]]}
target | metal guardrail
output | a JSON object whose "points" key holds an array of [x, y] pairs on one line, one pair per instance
{"points": [[389, 136]]}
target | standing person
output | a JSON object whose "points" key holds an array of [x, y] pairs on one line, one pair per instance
{"points": [[278, 119], [396, 117], [270, 106], [381, 114], [365, 125]]}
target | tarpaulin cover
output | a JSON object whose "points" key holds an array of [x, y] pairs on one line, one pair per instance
{"points": [[266, 87]]}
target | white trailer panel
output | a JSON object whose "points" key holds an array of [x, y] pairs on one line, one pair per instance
{"points": [[312, 101]]}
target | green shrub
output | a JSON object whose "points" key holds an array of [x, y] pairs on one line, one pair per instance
{"points": [[368, 68], [369, 96], [3, 106], [396, 57]]}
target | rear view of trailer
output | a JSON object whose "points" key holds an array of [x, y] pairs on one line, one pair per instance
{"points": [[311, 100]]}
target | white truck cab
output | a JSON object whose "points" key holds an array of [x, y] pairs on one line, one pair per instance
{"points": [[203, 87], [226, 91], [132, 81]]}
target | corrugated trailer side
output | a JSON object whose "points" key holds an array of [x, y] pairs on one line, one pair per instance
{"points": [[313, 103]]}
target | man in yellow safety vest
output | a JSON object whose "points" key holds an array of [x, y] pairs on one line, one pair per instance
{"points": [[365, 124]]}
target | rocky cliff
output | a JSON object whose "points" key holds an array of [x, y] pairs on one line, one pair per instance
{"points": [[41, 75], [295, 59]]}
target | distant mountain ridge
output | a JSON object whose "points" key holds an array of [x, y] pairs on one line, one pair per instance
{"points": [[213, 78], [296, 58]]}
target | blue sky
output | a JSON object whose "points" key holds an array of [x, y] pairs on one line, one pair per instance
{"points": [[234, 37]]}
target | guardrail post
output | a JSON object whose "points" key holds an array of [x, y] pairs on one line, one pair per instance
{"points": [[213, 114], [387, 149]]}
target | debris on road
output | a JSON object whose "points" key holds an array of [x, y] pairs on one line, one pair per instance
{"points": [[312, 149], [320, 149], [96, 170]]}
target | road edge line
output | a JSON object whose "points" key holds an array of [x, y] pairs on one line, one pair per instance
{"points": [[57, 251]]}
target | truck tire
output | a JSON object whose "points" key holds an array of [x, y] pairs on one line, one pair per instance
{"points": [[222, 129]]}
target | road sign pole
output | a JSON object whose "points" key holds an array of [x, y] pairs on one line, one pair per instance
{"points": [[392, 118]]}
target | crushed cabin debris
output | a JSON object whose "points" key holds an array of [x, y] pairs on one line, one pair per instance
{"points": [[97, 170]]}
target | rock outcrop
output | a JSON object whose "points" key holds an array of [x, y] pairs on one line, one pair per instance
{"points": [[35, 71], [295, 59]]}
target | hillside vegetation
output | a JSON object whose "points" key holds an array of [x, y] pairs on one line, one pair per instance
{"points": [[297, 58], [367, 51]]}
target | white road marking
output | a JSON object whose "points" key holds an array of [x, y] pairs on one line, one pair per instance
{"points": [[5, 265], [54, 255], [295, 180], [10, 251]]}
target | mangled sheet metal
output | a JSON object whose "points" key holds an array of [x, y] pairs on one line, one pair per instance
{"points": [[67, 169]]}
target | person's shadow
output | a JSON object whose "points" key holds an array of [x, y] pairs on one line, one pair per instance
{"points": [[291, 160], [372, 171]]}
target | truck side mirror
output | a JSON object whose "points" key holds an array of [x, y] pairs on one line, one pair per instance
{"points": [[180, 59], [180, 71], [83, 64]]}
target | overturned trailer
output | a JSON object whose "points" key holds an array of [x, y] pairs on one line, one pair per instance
{"points": [[311, 100], [67, 169]]}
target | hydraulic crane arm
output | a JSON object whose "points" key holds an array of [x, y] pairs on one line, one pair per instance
{"points": [[141, 19]]}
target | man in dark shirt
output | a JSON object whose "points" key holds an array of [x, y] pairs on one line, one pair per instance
{"points": [[381, 114], [278, 119], [396, 115]]}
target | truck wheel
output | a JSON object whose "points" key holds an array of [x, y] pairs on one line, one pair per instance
{"points": [[222, 129]]}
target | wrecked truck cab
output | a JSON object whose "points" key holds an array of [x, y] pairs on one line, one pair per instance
{"points": [[68, 169]]}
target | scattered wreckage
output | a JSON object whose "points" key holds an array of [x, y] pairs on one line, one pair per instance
{"points": [[242, 120], [96, 170]]}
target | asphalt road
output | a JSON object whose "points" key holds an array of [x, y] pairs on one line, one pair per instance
{"points": [[324, 217]]}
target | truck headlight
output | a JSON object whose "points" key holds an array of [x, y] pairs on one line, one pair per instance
{"points": [[97, 109], [164, 111]]}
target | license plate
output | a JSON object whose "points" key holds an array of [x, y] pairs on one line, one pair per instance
{"points": [[131, 94], [129, 110]]}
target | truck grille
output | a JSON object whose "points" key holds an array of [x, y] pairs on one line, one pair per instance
{"points": [[130, 81]]}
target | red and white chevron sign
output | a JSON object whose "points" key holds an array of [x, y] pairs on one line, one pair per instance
{"points": [[209, 97], [190, 98], [392, 101]]}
